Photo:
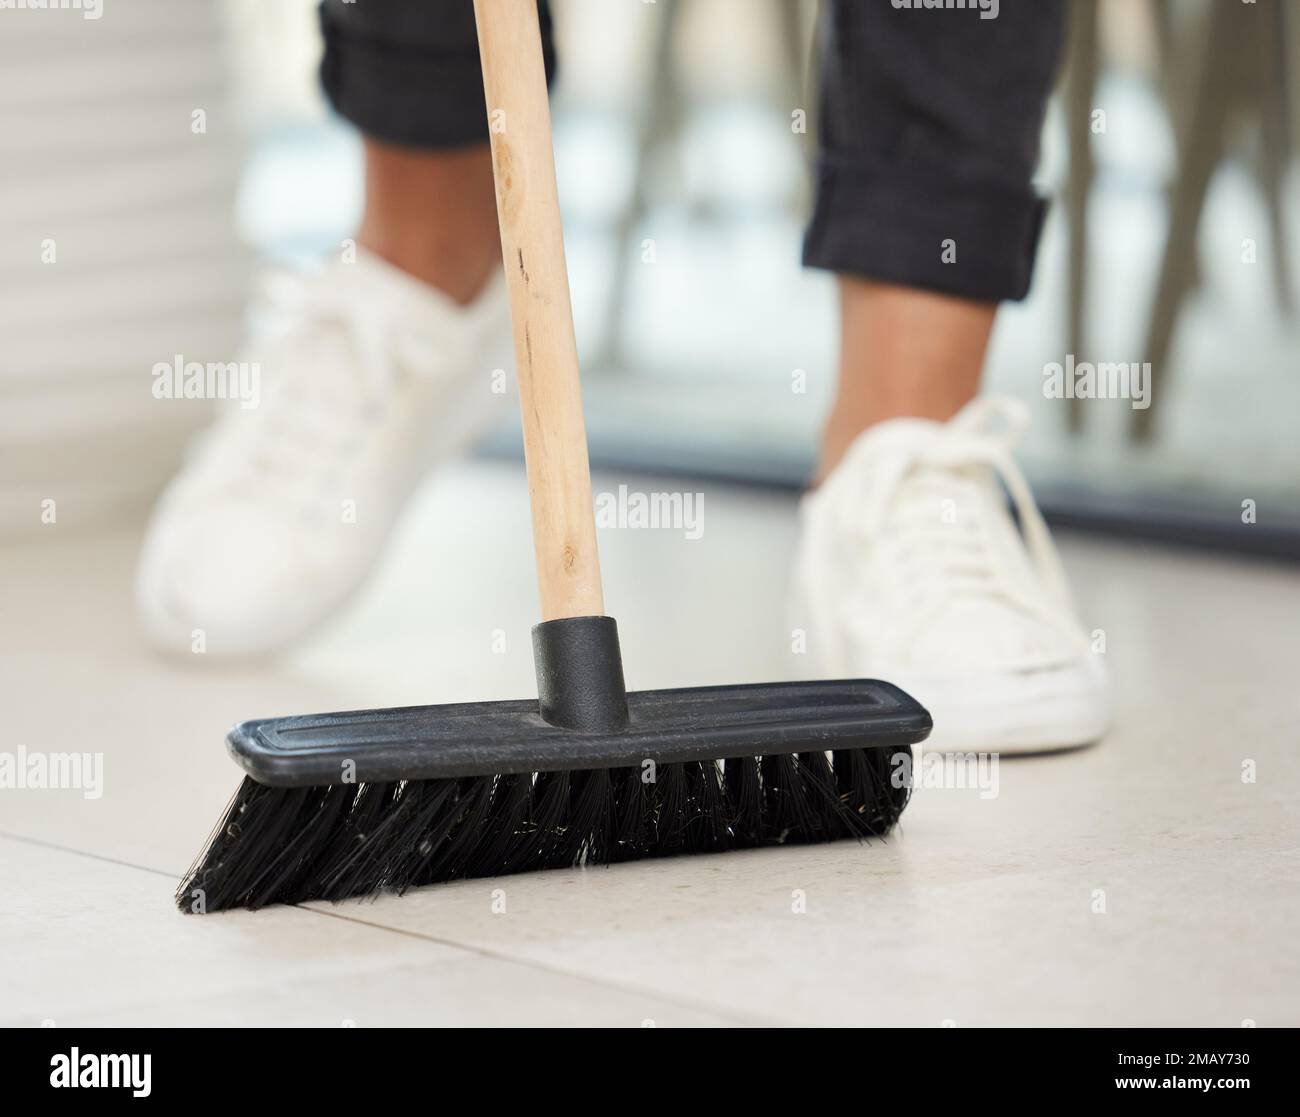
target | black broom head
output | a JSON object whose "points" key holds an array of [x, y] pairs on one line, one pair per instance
{"points": [[352, 804]]}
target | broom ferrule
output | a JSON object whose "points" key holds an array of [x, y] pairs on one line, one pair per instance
{"points": [[580, 674]]}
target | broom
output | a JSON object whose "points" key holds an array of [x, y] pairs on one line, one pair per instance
{"points": [[351, 804]]}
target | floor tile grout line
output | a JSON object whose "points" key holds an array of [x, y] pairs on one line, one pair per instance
{"points": [[86, 853], [468, 948], [560, 971]]}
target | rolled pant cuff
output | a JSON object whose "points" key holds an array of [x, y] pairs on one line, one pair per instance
{"points": [[416, 96], [895, 228]]}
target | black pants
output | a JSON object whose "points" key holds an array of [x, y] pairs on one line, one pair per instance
{"points": [[929, 124]]}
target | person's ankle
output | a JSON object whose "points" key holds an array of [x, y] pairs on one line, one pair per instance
{"points": [[432, 213], [458, 269]]}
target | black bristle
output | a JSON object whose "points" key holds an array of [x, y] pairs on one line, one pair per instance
{"points": [[744, 788], [834, 819], [632, 815], [288, 845], [435, 808], [512, 808], [710, 826], [671, 817], [589, 838], [235, 849], [871, 786], [319, 811], [544, 845], [463, 826], [351, 861], [787, 802]]}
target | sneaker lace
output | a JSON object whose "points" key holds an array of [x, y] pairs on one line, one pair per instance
{"points": [[934, 557], [316, 409]]}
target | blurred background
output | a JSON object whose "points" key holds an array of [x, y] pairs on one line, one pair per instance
{"points": [[1173, 238]]}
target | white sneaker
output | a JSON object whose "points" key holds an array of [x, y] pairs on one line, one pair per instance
{"points": [[282, 509], [912, 570]]}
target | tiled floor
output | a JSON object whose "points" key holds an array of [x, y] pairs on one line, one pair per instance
{"points": [[981, 911]]}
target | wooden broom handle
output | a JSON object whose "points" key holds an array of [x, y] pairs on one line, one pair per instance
{"points": [[532, 248]]}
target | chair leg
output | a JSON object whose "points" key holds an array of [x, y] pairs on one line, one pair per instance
{"points": [[1080, 84], [652, 127], [1275, 148], [1225, 53]]}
